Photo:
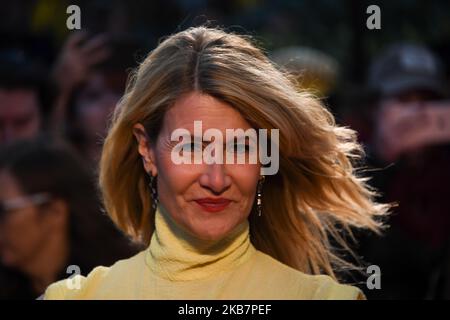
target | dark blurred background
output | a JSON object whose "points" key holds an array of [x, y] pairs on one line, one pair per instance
{"points": [[58, 88]]}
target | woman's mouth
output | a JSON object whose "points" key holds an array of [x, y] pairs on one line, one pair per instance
{"points": [[213, 204]]}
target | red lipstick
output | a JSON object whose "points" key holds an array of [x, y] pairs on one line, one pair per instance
{"points": [[213, 204]]}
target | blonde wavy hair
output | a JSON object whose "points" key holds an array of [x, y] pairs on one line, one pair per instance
{"points": [[317, 193]]}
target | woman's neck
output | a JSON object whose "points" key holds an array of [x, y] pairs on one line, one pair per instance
{"points": [[176, 255]]}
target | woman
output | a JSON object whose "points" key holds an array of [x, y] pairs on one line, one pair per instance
{"points": [[50, 219], [223, 231]]}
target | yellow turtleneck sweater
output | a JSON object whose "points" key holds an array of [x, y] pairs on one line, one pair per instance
{"points": [[179, 266]]}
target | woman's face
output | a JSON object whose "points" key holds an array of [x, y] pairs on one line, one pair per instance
{"points": [[186, 190]]}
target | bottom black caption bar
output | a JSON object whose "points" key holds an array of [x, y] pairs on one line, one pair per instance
{"points": [[221, 309], [224, 309]]}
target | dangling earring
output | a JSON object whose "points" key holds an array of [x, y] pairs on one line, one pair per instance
{"points": [[259, 196], [154, 192]]}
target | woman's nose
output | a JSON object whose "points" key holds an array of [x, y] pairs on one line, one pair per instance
{"points": [[215, 178]]}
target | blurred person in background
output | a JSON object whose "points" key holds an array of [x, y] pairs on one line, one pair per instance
{"points": [[91, 74], [314, 70], [25, 96], [410, 142], [50, 218]]}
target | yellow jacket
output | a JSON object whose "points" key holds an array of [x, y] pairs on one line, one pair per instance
{"points": [[179, 266]]}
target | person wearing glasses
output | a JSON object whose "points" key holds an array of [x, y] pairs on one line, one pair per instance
{"points": [[222, 229], [50, 219]]}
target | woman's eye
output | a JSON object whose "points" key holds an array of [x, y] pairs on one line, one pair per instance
{"points": [[241, 148], [192, 147], [236, 148]]}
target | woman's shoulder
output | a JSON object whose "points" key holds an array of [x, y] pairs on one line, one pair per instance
{"points": [[299, 285], [97, 281]]}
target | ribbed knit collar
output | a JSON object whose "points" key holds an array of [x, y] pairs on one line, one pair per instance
{"points": [[176, 255]]}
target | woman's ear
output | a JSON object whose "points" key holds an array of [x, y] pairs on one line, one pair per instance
{"points": [[145, 149]]}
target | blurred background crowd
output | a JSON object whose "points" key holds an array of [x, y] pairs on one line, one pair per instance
{"points": [[58, 88]]}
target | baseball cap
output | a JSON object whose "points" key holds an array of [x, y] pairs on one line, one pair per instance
{"points": [[404, 67]]}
